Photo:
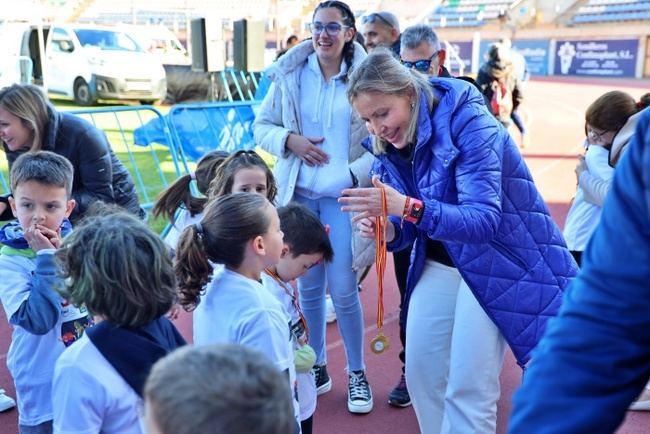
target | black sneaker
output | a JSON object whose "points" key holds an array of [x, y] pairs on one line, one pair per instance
{"points": [[359, 394], [399, 396], [323, 380]]}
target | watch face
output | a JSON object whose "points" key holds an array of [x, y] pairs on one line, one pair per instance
{"points": [[416, 209]]}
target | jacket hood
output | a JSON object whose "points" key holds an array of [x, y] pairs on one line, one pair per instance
{"points": [[132, 352], [297, 56], [499, 68], [623, 137]]}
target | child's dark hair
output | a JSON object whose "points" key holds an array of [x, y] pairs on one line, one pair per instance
{"points": [[225, 175], [303, 231], [44, 167], [228, 224], [117, 267], [186, 392], [348, 19], [179, 192]]}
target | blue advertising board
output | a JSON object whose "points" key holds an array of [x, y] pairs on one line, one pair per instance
{"points": [[535, 51], [464, 50], [602, 58]]}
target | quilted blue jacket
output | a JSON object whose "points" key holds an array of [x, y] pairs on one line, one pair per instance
{"points": [[595, 357], [482, 204]]}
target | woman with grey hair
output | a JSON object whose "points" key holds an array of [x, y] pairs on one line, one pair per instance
{"points": [[489, 264]]}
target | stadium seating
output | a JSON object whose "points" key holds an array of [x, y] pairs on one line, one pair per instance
{"points": [[608, 11], [467, 13]]}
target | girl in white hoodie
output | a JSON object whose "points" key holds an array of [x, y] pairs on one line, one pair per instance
{"points": [[604, 121]]}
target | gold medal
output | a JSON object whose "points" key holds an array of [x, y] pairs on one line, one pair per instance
{"points": [[379, 344]]}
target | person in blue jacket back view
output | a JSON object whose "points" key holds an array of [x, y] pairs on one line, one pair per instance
{"points": [[488, 265], [595, 357]]}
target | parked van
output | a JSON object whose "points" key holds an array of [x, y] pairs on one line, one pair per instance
{"points": [[14, 68], [88, 62]]}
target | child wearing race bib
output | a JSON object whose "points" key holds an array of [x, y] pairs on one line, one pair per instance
{"points": [[306, 243], [43, 323]]}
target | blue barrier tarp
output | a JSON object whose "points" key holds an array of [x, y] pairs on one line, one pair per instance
{"points": [[202, 128]]}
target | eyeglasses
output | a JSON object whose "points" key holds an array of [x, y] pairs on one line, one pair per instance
{"points": [[594, 135], [332, 29], [370, 18], [421, 65]]}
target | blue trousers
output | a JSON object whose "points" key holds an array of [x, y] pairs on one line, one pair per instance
{"points": [[339, 277]]}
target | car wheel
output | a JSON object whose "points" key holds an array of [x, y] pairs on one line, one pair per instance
{"points": [[82, 94]]}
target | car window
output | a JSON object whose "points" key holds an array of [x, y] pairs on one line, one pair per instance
{"points": [[107, 40]]}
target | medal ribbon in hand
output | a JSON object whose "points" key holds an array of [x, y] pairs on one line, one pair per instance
{"points": [[380, 343]]}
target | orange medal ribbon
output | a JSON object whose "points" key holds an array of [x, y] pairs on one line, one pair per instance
{"points": [[294, 300], [380, 343]]}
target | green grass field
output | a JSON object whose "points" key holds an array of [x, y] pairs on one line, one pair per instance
{"points": [[152, 166]]}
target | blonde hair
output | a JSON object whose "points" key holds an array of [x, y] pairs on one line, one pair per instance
{"points": [[380, 72], [29, 104]]}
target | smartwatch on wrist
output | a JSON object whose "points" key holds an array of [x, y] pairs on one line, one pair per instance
{"points": [[413, 211]]}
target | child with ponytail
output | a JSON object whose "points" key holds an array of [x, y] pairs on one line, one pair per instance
{"points": [[179, 197], [242, 232]]}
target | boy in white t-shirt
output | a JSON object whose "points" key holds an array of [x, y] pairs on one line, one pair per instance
{"points": [[217, 389], [306, 244], [121, 271], [43, 323]]}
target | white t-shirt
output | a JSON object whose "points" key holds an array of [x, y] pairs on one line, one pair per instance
{"points": [[307, 394], [89, 396], [31, 357], [183, 220], [583, 217], [236, 309]]}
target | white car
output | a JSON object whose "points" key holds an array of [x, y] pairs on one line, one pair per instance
{"points": [[92, 62], [85, 62]]}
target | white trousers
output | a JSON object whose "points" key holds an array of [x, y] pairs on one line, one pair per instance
{"points": [[454, 355]]}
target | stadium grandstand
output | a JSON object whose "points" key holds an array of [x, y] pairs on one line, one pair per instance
{"points": [[468, 25], [608, 11]]}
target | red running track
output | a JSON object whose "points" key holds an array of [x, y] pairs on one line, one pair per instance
{"points": [[556, 115]]}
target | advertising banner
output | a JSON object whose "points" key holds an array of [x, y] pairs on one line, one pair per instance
{"points": [[602, 58], [464, 50]]}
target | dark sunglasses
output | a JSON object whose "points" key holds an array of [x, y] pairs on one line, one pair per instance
{"points": [[421, 65], [370, 18], [331, 29]]}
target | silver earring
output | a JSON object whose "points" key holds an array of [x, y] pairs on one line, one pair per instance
{"points": [[412, 105]]}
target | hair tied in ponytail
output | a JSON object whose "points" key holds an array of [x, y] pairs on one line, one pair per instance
{"points": [[199, 230]]}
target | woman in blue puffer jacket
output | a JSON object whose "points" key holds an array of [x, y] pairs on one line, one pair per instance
{"points": [[489, 264]]}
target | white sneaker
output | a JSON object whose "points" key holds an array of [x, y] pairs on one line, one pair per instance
{"points": [[330, 312], [6, 403]]}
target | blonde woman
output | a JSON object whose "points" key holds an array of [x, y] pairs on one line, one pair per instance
{"points": [[489, 264], [28, 122]]}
